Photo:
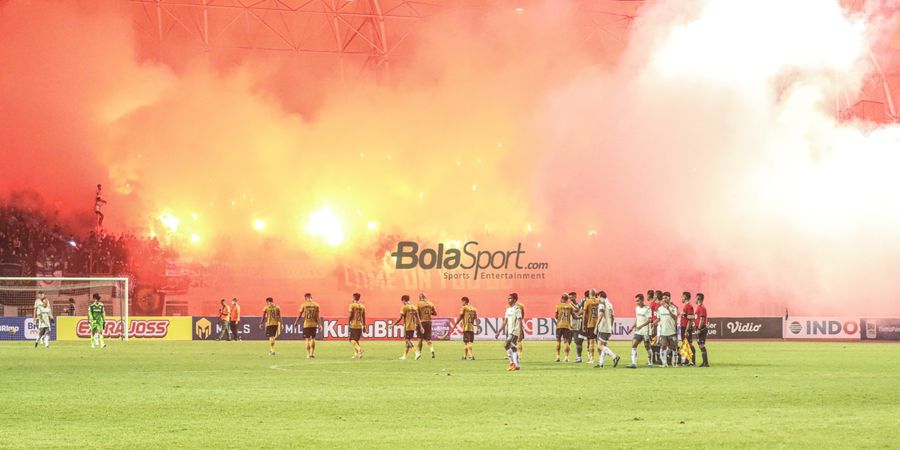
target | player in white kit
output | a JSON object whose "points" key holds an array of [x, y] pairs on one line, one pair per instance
{"points": [[605, 322], [643, 320], [512, 324], [44, 317]]}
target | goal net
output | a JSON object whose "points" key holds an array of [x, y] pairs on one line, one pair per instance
{"points": [[67, 296]]}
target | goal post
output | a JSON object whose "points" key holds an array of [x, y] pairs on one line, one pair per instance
{"points": [[66, 295]]}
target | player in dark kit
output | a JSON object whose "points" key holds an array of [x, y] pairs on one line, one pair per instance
{"points": [[687, 326], [700, 323]]}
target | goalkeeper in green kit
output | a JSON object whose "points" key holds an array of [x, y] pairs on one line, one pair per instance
{"points": [[97, 317]]}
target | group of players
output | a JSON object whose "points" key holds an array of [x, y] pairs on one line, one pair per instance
{"points": [[43, 319], [589, 320], [655, 326]]}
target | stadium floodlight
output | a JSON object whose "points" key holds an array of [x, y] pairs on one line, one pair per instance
{"points": [[20, 293]]}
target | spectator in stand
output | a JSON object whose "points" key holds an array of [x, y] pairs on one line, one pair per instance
{"points": [[31, 239], [70, 309], [28, 238]]}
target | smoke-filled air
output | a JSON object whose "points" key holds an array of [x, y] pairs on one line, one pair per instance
{"points": [[701, 149]]}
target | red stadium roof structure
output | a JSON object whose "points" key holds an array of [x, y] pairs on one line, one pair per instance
{"points": [[353, 39], [360, 37]]}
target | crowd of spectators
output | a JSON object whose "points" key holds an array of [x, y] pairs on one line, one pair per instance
{"points": [[40, 247]]}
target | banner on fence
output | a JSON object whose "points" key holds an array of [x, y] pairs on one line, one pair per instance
{"points": [[880, 329], [821, 328], [378, 328], [382, 328], [744, 328], [21, 329], [155, 328]]}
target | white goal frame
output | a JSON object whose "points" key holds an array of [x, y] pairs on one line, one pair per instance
{"points": [[124, 300]]}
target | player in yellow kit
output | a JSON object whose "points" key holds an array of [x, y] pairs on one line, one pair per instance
{"points": [[357, 321], [409, 315], [467, 319], [426, 312], [589, 324], [565, 312], [271, 319], [309, 314]]}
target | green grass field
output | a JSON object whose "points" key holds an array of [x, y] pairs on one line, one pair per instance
{"points": [[233, 395]]}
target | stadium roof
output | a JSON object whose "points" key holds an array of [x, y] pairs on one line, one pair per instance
{"points": [[365, 39]]}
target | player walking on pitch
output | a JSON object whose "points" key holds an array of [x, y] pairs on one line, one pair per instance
{"points": [[409, 315], [565, 313], [97, 318], [701, 323], [271, 320], [357, 323], [605, 321], [426, 312], [467, 318], [512, 324], [44, 320], [643, 321], [309, 313]]}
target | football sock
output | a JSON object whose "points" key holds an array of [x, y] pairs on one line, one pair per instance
{"points": [[650, 356], [515, 358], [634, 356], [703, 352], [509, 354]]}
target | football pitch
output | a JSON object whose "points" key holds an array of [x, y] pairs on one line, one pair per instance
{"points": [[233, 395]]}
